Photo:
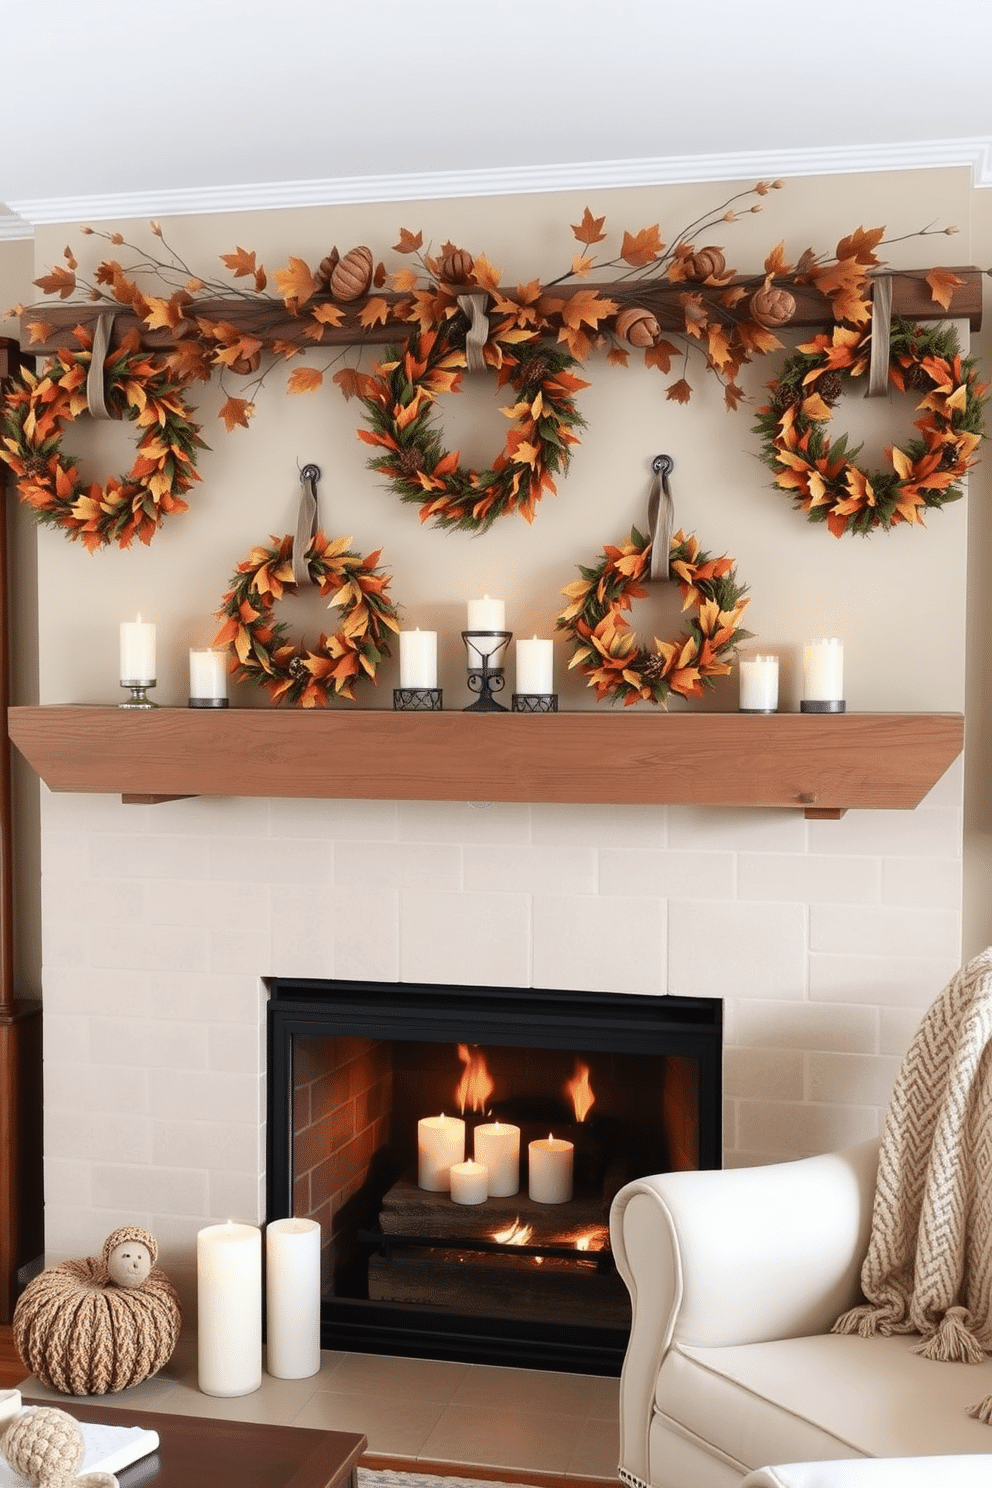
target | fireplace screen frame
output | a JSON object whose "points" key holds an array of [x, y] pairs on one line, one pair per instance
{"points": [[536, 1018]]}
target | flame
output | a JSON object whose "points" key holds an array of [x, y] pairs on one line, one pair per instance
{"points": [[580, 1091], [517, 1234], [584, 1242], [475, 1086]]}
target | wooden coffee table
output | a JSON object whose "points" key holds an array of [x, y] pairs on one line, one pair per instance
{"points": [[202, 1452]]}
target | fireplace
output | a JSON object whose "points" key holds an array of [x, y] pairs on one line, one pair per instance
{"points": [[632, 1083]]}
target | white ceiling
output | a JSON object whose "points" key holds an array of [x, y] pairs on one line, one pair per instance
{"points": [[122, 107]]}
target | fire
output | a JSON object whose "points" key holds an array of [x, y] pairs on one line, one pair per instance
{"points": [[517, 1234], [475, 1086], [585, 1242], [580, 1091]]}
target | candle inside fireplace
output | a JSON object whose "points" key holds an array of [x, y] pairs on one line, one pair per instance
{"points": [[292, 1298], [497, 1144], [550, 1176], [229, 1298], [440, 1144], [469, 1182]]}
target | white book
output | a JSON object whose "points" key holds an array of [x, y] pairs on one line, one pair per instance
{"points": [[108, 1449]]}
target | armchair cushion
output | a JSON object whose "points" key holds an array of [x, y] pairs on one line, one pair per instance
{"points": [[892, 1472]]}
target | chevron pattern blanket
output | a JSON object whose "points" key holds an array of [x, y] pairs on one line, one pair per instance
{"points": [[929, 1264]]}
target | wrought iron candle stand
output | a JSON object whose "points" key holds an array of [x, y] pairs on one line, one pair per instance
{"points": [[417, 699], [139, 697], [535, 702], [486, 650]]}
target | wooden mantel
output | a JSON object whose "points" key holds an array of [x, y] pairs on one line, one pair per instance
{"points": [[821, 764]]}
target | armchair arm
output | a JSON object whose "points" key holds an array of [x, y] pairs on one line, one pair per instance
{"points": [[878, 1472]]}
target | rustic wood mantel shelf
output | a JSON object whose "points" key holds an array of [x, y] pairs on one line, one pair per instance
{"points": [[821, 764]]}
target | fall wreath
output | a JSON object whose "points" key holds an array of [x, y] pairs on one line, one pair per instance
{"points": [[137, 387], [606, 645], [294, 673], [823, 476], [400, 401]]}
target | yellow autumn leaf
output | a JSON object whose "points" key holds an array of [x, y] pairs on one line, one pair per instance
{"points": [[305, 380]]}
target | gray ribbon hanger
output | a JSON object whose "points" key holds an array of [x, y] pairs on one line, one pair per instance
{"points": [[306, 524], [881, 335], [96, 392], [474, 307], [661, 516]]}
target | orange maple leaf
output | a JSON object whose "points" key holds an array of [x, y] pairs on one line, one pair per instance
{"points": [[590, 229], [241, 262], [679, 392], [327, 314], [236, 411], [660, 355], [305, 380], [39, 330], [859, 245], [587, 307], [642, 247], [942, 284], [59, 281], [618, 357], [409, 242], [775, 262], [581, 264], [844, 285], [296, 284], [374, 312]]}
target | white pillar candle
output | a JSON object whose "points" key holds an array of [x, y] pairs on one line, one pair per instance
{"points": [[550, 1175], [535, 666], [497, 1144], [229, 1301], [208, 674], [137, 651], [418, 658], [292, 1298], [469, 1182], [486, 614], [759, 684], [823, 671], [440, 1143]]}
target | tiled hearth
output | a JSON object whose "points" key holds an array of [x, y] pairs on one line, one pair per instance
{"points": [[825, 939]]}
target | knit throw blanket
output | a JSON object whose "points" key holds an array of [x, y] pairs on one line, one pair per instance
{"points": [[929, 1263]]}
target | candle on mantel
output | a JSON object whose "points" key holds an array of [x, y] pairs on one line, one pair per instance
{"points": [[758, 684], [469, 1182], [550, 1176], [229, 1305], [292, 1298], [137, 651], [823, 671], [497, 1144], [535, 666], [486, 614], [418, 658], [208, 675], [440, 1143]]}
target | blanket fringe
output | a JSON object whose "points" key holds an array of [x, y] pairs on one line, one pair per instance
{"points": [[982, 1411], [864, 1320], [953, 1341]]}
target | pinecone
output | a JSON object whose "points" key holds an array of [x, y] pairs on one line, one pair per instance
{"points": [[786, 396], [830, 386], [298, 669], [410, 461], [534, 369], [948, 457], [652, 668], [36, 465], [917, 379]]}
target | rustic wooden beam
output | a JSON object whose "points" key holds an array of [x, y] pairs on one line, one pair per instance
{"points": [[269, 319]]}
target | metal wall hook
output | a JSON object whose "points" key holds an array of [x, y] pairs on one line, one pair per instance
{"points": [[663, 465], [310, 473]]}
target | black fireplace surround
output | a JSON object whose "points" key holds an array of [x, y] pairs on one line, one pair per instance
{"points": [[646, 1054]]}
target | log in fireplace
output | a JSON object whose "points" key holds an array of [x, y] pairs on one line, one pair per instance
{"points": [[632, 1083]]}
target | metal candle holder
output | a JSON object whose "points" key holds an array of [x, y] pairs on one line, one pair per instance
{"points": [[822, 705], [138, 698], [417, 699], [486, 650], [535, 702]]}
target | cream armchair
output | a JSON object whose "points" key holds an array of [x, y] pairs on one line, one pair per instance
{"points": [[735, 1279]]}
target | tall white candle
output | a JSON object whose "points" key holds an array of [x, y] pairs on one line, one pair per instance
{"points": [[550, 1175], [292, 1298], [486, 614], [229, 1298], [759, 684], [440, 1142], [823, 670], [469, 1182], [418, 658], [497, 1144], [535, 666], [208, 674], [137, 651]]}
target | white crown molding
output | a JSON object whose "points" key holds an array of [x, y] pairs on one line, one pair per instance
{"points": [[505, 181]]}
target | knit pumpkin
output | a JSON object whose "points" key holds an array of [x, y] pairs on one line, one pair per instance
{"points": [[352, 274], [772, 307], [708, 263], [83, 1333]]}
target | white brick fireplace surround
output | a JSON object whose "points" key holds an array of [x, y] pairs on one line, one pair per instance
{"points": [[826, 939]]}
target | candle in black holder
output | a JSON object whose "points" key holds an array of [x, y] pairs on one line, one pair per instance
{"points": [[418, 691], [535, 677], [486, 650]]}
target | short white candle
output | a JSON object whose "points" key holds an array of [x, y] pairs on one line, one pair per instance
{"points": [[469, 1182], [759, 684], [229, 1298], [440, 1143], [535, 666], [137, 651], [486, 614], [292, 1298], [418, 658], [550, 1176], [208, 674], [497, 1144], [823, 671]]}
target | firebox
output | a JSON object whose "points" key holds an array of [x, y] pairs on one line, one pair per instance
{"points": [[376, 1089]]}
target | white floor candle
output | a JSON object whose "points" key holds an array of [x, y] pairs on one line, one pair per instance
{"points": [[550, 1175], [440, 1143], [497, 1144], [229, 1298], [469, 1182], [292, 1298]]}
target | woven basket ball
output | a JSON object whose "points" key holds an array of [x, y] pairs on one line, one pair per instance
{"points": [[103, 1323]]}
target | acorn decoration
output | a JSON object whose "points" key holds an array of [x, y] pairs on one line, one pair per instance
{"points": [[457, 266], [772, 307], [638, 326], [708, 263], [245, 365], [351, 276]]}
